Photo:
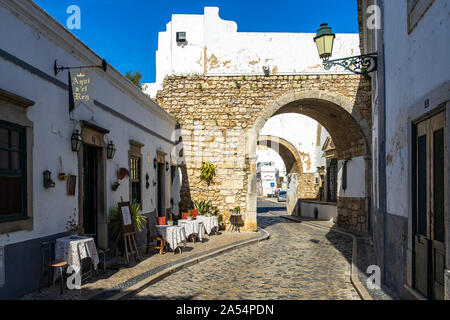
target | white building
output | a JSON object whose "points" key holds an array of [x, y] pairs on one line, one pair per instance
{"points": [[411, 117], [267, 178], [208, 45], [35, 136]]}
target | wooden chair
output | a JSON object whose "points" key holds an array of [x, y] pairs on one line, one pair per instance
{"points": [[48, 264], [101, 252], [83, 262], [152, 233]]}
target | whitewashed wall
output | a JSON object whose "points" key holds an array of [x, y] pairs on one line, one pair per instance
{"points": [[39, 40], [325, 211], [417, 64], [300, 131], [215, 47]]}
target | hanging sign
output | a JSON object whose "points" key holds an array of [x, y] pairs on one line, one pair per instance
{"points": [[82, 88]]}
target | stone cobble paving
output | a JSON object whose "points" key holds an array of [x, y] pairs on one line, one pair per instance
{"points": [[297, 262], [120, 276]]}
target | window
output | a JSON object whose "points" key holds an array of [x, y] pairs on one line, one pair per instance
{"points": [[416, 10], [13, 194], [135, 179]]}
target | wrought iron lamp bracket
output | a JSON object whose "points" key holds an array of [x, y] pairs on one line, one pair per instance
{"points": [[362, 64], [57, 68]]}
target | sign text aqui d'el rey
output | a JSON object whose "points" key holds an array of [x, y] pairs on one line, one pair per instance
{"points": [[82, 87]]}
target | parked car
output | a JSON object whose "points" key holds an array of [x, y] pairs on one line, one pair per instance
{"points": [[282, 196]]}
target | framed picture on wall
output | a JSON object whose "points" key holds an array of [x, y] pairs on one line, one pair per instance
{"points": [[71, 184]]}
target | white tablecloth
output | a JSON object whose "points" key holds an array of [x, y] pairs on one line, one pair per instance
{"points": [[74, 250], [173, 235], [193, 227], [209, 223]]}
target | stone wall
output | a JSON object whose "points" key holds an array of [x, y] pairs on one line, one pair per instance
{"points": [[216, 114], [352, 214], [307, 186]]}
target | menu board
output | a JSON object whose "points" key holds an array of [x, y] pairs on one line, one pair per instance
{"points": [[126, 215], [127, 222]]}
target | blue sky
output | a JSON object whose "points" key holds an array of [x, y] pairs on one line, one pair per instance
{"points": [[125, 33]]}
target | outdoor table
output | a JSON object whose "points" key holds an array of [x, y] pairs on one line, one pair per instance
{"points": [[75, 249], [234, 222], [193, 227], [172, 235], [210, 223]]}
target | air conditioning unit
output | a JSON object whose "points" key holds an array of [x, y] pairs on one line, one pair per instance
{"points": [[181, 37]]}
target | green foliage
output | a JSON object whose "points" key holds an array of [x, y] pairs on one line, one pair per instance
{"points": [[115, 222], [135, 78], [237, 209], [208, 171], [204, 207], [220, 219], [244, 78]]}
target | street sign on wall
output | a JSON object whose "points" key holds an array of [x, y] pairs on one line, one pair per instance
{"points": [[272, 184]]}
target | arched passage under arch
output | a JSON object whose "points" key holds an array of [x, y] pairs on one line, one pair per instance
{"points": [[294, 167], [351, 135]]}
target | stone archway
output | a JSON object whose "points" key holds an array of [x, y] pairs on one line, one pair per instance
{"points": [[221, 116], [350, 132], [294, 169]]}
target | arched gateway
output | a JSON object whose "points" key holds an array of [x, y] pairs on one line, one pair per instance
{"points": [[221, 117], [300, 185]]}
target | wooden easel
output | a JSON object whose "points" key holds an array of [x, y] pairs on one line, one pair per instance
{"points": [[127, 233]]}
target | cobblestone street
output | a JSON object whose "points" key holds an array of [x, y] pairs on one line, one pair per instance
{"points": [[297, 262]]}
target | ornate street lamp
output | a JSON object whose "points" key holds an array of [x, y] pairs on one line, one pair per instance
{"points": [[76, 141], [324, 41], [362, 64], [110, 150]]}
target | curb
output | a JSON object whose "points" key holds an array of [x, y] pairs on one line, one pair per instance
{"points": [[133, 290], [354, 278]]}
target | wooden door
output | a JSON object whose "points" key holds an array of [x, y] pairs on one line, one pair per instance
{"points": [[90, 180], [429, 206]]}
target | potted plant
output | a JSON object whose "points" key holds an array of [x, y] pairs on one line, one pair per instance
{"points": [[115, 219], [72, 226], [203, 207]]}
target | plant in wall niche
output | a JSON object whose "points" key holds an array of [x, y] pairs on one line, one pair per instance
{"points": [[208, 171], [114, 218]]}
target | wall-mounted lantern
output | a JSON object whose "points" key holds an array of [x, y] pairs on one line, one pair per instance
{"points": [[324, 41], [110, 150], [76, 141], [362, 64], [48, 182]]}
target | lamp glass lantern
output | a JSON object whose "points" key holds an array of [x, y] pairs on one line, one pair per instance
{"points": [[324, 40], [110, 150], [76, 141]]}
